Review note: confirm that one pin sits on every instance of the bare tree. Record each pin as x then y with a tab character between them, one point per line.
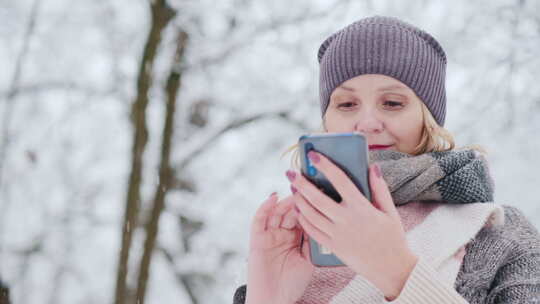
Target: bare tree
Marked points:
161	15
165	170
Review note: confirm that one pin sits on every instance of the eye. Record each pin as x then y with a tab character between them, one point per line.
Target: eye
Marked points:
393	104
346	105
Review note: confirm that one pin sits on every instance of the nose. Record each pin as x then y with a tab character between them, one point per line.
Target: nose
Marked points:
369	124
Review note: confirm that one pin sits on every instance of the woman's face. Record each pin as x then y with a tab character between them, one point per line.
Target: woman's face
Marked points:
382	108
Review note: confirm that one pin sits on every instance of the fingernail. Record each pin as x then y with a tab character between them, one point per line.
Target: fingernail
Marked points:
377	170
273	193
293	189
290	175
313	156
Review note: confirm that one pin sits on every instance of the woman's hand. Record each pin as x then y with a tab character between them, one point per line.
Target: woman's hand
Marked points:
279	268
367	237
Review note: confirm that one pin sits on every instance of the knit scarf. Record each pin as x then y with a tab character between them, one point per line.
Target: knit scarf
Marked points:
455	177
433	192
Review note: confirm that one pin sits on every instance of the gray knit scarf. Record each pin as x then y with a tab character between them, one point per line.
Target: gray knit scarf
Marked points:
456	177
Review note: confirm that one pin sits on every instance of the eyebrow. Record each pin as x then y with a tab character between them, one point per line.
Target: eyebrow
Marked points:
387	88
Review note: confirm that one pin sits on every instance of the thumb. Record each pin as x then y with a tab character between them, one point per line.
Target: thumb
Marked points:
381	197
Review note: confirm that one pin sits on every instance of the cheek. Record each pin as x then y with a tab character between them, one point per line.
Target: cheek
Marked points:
412	134
335	123
415	136
406	132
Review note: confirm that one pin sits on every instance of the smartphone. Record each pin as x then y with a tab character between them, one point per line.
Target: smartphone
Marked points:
349	151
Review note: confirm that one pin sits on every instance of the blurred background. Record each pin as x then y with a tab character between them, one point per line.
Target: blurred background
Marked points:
137	138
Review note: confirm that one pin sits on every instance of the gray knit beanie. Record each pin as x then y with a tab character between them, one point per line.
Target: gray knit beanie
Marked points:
388	46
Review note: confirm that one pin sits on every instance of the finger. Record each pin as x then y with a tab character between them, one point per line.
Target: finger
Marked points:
283	206
337	177
319	236
381	197
279	211
306	250
317	219
290	219
314	195
261	215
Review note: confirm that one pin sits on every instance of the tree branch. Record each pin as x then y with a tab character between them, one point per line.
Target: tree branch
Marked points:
182	279
196	148
260	30
10	106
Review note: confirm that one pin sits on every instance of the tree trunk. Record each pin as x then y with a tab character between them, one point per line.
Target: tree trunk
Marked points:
165	170
161	15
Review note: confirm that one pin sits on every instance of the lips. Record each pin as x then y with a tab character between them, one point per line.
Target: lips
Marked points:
376	147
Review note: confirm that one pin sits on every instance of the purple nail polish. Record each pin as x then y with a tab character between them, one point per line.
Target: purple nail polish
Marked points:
290	175
313	157
293	189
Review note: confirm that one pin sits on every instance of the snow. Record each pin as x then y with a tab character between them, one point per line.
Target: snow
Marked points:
65	175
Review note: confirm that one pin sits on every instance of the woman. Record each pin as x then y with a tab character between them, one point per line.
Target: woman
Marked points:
432	233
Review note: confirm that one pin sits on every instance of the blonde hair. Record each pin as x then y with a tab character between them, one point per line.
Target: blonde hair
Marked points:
434	138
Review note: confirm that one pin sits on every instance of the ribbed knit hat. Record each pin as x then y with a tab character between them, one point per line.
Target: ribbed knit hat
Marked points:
388	46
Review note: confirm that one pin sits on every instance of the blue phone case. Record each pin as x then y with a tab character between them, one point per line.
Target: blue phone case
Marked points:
349	151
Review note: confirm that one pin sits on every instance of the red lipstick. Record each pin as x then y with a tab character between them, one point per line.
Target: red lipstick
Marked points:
375	147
